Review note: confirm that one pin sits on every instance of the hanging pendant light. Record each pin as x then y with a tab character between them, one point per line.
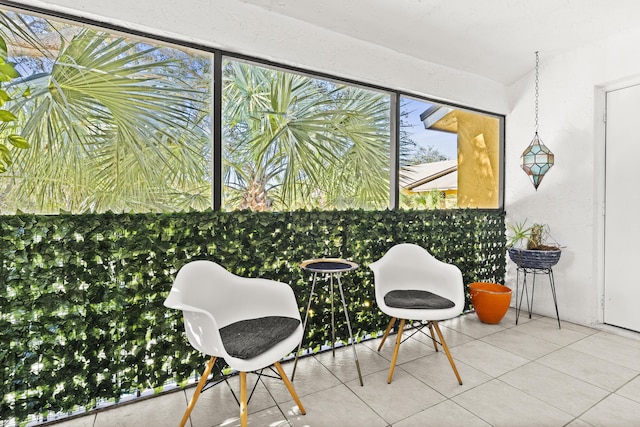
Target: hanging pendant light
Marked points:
537	159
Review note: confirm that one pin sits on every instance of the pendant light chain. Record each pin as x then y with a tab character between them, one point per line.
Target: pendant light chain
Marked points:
537	159
537	80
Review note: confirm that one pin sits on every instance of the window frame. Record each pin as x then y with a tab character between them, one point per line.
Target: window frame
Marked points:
219	55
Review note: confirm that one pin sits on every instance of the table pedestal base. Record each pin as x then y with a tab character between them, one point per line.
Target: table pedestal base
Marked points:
331	274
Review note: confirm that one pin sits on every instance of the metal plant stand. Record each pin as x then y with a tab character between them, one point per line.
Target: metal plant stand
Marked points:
526	271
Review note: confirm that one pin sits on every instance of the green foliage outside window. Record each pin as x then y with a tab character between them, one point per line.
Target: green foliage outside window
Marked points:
81	297
296	142
121	124
114	123
7	118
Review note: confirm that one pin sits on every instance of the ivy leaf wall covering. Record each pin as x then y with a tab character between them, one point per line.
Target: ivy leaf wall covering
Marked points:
81	296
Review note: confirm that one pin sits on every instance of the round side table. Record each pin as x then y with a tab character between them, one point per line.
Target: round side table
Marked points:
331	267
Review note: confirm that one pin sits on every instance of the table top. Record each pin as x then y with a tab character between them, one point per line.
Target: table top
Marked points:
328	265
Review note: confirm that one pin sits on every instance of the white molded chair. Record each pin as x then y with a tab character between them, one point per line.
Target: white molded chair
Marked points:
412	284
250	323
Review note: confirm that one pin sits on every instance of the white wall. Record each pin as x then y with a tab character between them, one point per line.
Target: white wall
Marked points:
570	198
241	28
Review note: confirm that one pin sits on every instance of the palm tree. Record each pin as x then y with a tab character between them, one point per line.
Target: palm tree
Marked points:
292	141
7	74
117	125
114	125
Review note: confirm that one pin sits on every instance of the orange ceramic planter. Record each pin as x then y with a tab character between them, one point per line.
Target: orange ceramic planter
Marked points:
490	301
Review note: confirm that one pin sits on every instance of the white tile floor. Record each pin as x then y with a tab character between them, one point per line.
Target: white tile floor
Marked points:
532	374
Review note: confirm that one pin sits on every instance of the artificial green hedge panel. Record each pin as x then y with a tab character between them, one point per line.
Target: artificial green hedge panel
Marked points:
81	301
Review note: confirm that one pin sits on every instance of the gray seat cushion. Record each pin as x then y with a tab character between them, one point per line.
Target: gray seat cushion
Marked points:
412	298
249	338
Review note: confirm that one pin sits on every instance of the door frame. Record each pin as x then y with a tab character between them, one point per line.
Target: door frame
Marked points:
600	175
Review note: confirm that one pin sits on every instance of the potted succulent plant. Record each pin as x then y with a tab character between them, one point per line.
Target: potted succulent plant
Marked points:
529	247
532	247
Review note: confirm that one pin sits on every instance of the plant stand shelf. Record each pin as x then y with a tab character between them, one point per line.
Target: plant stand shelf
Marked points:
524	272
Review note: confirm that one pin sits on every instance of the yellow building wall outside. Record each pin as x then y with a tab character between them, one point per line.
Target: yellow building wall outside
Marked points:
478	157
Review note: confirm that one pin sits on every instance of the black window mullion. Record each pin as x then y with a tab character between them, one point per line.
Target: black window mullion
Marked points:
394	151
217	132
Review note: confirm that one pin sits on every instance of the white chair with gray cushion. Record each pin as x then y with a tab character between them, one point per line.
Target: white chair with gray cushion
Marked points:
251	323
410	283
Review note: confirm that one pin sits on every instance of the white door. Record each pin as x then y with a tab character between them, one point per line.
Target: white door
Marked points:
622	204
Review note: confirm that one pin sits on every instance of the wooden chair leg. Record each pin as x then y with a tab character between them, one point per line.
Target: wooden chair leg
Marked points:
433	338
292	391
196	394
386	332
395	351
446	350
243	399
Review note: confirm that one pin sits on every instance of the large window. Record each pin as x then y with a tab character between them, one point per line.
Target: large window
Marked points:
113	123
131	124
292	141
450	157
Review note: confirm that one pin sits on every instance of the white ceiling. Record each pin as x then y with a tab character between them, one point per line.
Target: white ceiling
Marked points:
496	39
